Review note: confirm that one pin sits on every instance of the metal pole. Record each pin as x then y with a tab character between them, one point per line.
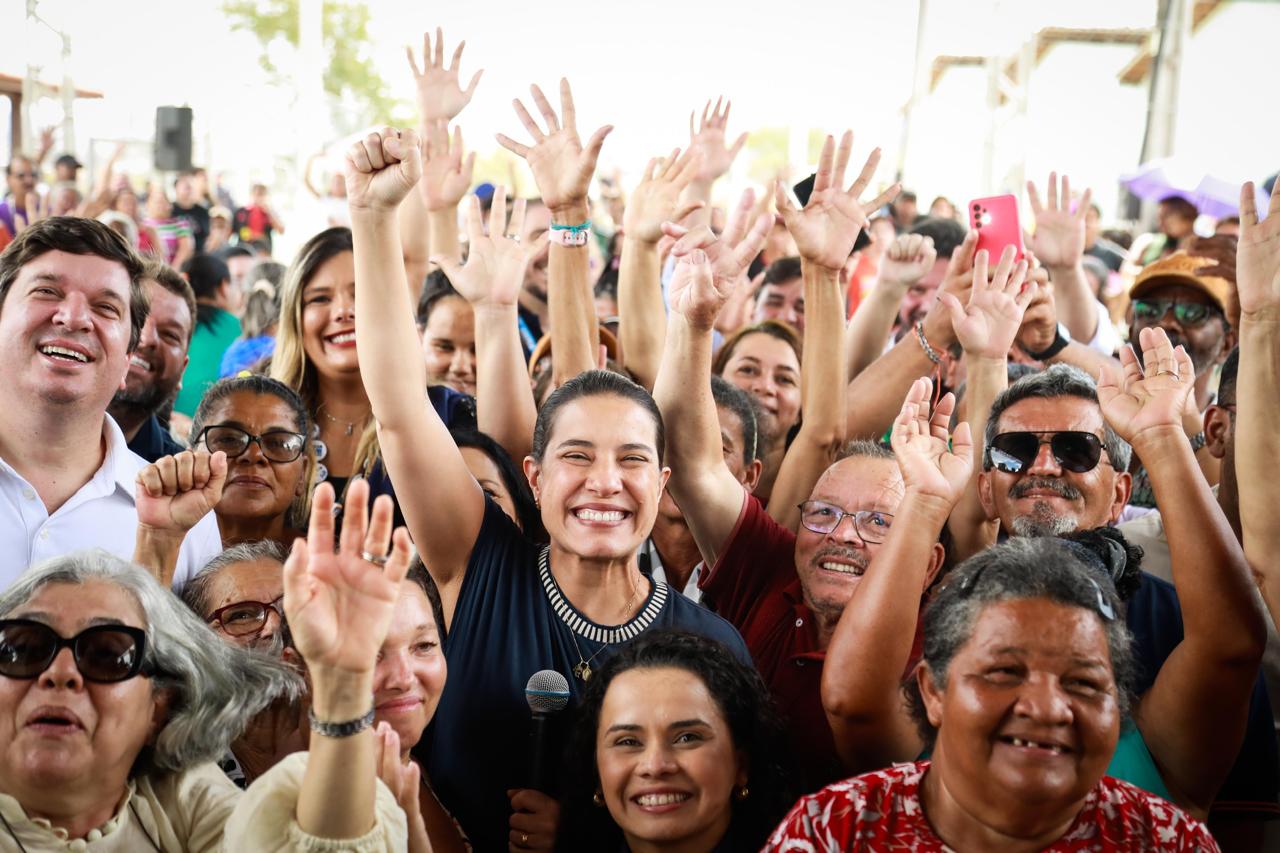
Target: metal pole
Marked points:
917	91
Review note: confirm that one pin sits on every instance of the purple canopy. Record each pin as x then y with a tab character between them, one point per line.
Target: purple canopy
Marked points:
1212	195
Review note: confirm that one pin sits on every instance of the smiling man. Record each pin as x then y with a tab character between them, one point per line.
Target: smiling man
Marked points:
156	364
72	310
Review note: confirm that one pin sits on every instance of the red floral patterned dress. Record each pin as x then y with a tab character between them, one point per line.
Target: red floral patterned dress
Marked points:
882	811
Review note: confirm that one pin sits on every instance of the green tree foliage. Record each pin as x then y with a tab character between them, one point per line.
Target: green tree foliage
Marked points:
359	94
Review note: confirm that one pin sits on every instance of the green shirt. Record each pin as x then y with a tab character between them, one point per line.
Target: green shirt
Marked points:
208	344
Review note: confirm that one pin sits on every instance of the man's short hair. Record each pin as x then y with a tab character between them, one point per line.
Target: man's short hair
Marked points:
1058	380
168	278
77	236
206	274
947	234
783	270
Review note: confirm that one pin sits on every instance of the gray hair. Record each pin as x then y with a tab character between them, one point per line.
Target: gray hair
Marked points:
865	448
217	688
262	298
1057	380
1020	568
195	593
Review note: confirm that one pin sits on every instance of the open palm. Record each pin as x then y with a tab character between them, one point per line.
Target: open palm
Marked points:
708	140
694	292
440	94
339	604
1150	395
1058	240
932	462
987	326
828	226
1258	254
731	253
657	198
446	174
496	262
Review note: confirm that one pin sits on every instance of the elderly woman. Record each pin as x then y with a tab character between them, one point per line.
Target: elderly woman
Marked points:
679	742
114	700
1021	694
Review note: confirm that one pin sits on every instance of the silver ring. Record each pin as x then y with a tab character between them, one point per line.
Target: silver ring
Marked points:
1172	373
377	560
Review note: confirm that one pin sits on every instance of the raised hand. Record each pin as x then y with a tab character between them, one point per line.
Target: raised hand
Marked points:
907	260
404	781
707	140
1040	322
496	262
933	464
562	167
987	326
732	252
173	493
37	209
446	174
694	291
382	169
1150	395
826	229
1258	254
957	280
440	95
657	198
339	604
1059	237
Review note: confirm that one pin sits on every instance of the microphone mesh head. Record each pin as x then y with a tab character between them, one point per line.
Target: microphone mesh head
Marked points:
547	692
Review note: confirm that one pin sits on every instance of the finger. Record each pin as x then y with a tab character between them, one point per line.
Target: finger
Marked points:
1185	366
686	208
1065	199
378	536
822	180
667	165
471	87
519	149
884	198
355	517
297	588
401	551
544	107
497	211
962	442
457	55
149	479
439	55
1027	295
1016	279
595	143
929	256
359	159
843	153
1273	206
199	468
168	468
782	201
527	120
962	258
1086	198
475	231
1033	197
754	241
517	218
452	269
692	130
979	273
1156	349
455	149
687	168
940	421
426	48
1249	205
673	230
954	308
649	170
864	177
567	109
1000	277
373	148
413	62
217	477
705	118
716	115
737	146
320	529
738	218
1129	365
1051	194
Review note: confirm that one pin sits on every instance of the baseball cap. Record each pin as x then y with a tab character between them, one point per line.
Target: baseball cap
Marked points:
1181	268
69	160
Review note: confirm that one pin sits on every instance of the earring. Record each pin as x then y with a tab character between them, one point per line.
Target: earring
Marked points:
742	793
598	798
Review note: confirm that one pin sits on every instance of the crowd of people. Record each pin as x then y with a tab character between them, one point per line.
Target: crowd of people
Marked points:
520	524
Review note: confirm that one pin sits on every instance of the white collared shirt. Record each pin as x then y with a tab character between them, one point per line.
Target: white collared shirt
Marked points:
101	514
656	571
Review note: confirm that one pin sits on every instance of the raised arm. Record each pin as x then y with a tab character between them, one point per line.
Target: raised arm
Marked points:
446	177
701	484
871	647
425	465
905	262
872	400
715	158
1058	242
1257	443
171	495
491	281
562	168
986	329
824	231
1193	717
339	606
641	311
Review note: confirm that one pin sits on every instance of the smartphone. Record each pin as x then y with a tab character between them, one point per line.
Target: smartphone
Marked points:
996	220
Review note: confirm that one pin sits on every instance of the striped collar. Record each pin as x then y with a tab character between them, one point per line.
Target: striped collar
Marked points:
589	630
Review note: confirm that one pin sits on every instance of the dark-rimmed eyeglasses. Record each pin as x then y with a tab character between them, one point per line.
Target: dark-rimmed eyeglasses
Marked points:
245	618
1188	314
104	654
1013	452
824	518
277	446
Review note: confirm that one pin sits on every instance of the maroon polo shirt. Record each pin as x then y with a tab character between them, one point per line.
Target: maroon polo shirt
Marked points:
754	586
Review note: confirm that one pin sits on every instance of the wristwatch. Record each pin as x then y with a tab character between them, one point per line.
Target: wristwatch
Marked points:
1060	342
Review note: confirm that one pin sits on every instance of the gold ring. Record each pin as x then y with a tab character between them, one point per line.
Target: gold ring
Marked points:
524	839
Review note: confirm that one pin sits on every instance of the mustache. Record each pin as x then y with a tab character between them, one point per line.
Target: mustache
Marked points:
1061	488
858	558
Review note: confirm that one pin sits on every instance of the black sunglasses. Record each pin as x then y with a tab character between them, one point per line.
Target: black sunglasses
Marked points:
1012	452
246	617
277	445
1188	314
103	653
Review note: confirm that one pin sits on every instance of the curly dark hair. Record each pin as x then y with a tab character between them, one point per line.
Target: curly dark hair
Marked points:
743	699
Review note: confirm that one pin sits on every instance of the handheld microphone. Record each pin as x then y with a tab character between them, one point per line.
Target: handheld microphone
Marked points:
547	694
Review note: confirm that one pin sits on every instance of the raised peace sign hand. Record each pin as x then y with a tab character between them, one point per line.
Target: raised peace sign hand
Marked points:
496	262
988	325
339	604
933	464
1258	255
826	229
1149	398
440	96
562	167
382	169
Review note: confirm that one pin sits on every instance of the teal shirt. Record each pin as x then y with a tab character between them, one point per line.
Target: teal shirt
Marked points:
208	344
